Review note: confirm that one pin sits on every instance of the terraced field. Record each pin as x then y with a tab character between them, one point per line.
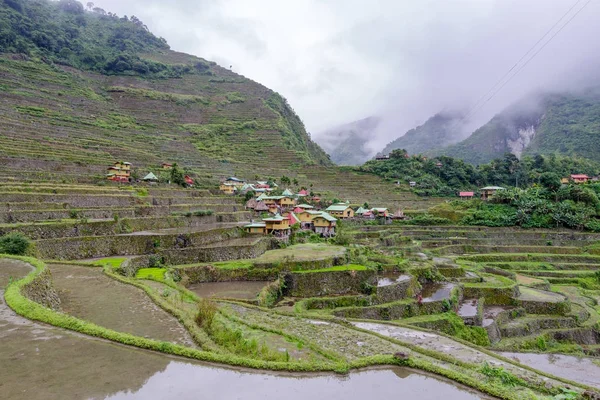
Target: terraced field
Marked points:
439	299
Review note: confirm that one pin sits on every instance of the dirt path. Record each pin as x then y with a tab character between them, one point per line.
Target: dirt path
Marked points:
88	294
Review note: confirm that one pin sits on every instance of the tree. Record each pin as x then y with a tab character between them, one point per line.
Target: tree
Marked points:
14	243
550	180
285	180
295	182
177	175
90	5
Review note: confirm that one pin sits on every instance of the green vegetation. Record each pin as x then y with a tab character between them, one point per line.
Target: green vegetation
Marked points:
14	243
113	262
64	33
565	123
157	274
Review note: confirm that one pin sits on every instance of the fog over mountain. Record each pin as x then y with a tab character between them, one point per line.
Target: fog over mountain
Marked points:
403	61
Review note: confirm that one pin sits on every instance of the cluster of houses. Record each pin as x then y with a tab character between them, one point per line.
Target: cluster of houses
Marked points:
121	172
285	212
579	178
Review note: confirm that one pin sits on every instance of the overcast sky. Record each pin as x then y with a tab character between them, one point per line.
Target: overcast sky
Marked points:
341	60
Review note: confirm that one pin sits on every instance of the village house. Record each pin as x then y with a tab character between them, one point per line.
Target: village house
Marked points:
324	224
188	180
167	166
489	191
227	188
277	225
150	178
256	227
302	193
340	210
580	178
380	212
466	195
382	157
359	212
564	181
119	172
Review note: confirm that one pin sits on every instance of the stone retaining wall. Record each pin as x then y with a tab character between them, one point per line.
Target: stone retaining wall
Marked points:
313	284
123	245
41	290
396	291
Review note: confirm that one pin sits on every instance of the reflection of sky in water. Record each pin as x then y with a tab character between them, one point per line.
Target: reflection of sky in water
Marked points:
580	369
184	381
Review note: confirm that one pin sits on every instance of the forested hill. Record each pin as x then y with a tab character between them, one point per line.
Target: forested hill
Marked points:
437	132
558	123
85	87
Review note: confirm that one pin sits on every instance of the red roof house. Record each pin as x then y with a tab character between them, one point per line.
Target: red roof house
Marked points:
466	195
303	192
580	178
188	180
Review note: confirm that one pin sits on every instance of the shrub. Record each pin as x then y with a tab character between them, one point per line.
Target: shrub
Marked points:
207	309
14	243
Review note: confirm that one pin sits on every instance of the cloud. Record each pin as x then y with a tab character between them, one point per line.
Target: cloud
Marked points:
342	60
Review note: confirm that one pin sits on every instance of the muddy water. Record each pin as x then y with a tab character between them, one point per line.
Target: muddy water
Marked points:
390	278
229	290
436	291
47	363
187	382
578	369
87	293
468	308
12	269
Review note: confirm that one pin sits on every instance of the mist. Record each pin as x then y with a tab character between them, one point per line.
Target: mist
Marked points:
339	61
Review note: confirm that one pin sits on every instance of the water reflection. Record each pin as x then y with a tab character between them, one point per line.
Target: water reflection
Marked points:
186	381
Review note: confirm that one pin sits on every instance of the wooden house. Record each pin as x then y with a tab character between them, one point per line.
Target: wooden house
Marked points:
287	201
564	181
399	215
256	227
235	181
251	204
341	211
305	206
380	212
227	188
261	207
277	225
580	178
489	192
324	224
119	171
150	178
167	166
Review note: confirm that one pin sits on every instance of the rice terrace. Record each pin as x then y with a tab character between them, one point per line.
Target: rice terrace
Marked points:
169	229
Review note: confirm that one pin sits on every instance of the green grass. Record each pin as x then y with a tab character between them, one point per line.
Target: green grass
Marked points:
113	262
347	267
157	274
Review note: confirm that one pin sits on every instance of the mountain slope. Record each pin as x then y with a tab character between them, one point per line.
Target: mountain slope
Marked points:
136	101
565	123
437	132
346	143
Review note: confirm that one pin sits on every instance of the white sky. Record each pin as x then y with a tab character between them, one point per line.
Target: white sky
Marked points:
341	60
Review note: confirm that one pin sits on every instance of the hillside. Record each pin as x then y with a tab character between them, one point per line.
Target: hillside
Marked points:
135	99
565	123
82	89
346	144
437	132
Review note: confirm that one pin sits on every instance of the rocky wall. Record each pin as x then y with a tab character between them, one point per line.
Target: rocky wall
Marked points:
122	245
42	291
314	284
391	311
497	296
397	291
209	273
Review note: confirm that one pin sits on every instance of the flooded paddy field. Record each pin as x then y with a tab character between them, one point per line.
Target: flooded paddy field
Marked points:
579	369
87	293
